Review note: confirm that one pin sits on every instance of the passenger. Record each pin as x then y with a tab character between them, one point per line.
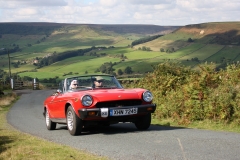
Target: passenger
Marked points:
98	82
74	85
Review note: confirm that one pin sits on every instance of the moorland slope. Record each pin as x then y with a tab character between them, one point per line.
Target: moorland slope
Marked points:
190	45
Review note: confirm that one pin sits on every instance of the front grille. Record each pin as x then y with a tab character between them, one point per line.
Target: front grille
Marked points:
118	103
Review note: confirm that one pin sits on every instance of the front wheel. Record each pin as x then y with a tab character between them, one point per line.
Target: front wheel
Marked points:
50	125
74	123
144	122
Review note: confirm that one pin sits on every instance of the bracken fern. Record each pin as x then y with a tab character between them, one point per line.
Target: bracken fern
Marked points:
186	95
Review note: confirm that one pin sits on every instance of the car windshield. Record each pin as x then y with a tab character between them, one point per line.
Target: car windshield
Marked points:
91	82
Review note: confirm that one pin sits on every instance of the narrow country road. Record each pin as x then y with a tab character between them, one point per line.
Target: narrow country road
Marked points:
124	141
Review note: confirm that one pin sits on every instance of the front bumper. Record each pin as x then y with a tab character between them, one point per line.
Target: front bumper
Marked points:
103	113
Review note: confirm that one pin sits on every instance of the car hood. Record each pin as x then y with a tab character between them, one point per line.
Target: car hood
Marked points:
116	94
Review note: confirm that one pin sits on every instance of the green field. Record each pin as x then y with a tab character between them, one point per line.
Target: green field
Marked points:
65	63
204	48
76	65
136	54
203	53
229	52
139	61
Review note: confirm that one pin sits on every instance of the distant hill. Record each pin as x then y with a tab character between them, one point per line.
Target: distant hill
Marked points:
34	42
137	29
36	28
48	38
224	33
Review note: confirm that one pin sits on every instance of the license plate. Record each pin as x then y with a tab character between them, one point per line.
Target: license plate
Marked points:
123	112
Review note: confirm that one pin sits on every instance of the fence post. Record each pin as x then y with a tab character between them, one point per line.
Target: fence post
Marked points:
35	84
12	83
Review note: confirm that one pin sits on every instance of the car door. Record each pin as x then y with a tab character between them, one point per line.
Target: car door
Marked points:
57	106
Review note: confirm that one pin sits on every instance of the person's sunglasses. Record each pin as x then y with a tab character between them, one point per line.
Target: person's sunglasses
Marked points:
75	84
100	81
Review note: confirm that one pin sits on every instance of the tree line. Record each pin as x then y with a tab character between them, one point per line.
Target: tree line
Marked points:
9	50
107	68
46	61
145	39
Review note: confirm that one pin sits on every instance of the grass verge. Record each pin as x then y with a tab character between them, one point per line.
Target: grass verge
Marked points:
205	124
17	145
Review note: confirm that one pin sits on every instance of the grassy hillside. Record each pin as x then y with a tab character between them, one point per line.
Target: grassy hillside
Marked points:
190	45
211	42
40	39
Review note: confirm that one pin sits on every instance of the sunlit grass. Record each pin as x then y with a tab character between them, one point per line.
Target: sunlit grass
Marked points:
7	100
227	53
76	65
203	52
138	54
40	75
205	124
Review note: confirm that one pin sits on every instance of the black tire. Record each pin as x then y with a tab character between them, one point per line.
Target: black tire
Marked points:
143	123
74	123
50	125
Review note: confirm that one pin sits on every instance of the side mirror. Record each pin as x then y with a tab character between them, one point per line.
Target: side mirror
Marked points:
59	91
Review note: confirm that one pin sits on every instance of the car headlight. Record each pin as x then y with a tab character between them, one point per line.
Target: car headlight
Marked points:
87	100
147	96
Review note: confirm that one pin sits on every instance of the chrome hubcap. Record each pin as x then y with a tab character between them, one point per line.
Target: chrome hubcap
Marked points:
47	118
70	120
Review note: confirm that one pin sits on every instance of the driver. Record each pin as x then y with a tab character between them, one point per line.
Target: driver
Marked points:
98	82
74	85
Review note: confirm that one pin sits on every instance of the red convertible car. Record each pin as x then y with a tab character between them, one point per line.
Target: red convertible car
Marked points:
97	100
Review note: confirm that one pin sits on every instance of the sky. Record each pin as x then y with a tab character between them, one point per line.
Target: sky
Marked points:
154	12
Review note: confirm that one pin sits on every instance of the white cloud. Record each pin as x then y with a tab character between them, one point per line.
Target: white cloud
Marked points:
49	3
159	12
108	3
27	11
147	2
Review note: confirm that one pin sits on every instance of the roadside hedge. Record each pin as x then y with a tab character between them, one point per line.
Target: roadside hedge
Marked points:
185	95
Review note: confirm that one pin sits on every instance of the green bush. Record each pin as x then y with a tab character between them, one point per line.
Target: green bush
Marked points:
186	95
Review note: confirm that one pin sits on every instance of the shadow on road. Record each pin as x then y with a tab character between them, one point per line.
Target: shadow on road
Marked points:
120	128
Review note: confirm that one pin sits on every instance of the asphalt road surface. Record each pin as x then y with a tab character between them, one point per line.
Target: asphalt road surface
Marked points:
124	141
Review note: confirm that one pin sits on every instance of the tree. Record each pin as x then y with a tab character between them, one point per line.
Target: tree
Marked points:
161	50
128	70
195	59
120	72
15	65
144	48
147	49
103	68
190	40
